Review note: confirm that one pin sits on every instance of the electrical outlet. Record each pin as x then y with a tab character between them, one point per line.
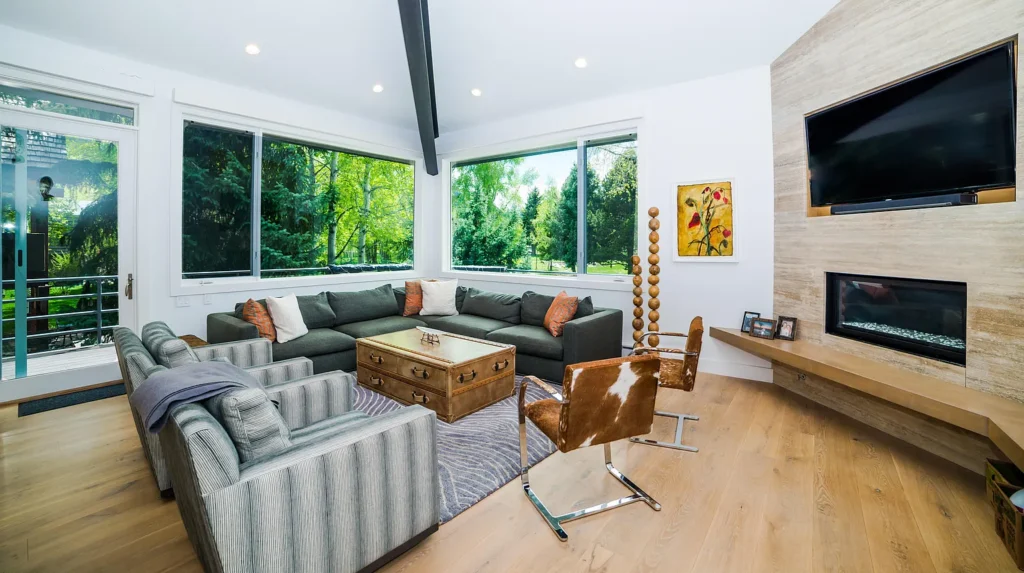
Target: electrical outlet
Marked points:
183	301
207	299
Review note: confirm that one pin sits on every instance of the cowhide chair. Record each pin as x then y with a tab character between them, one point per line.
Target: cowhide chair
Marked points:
605	401
676	374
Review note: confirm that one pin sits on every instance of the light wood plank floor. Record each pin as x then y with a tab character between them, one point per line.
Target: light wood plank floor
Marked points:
779	485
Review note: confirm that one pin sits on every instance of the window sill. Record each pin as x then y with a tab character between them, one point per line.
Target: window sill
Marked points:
249	284
619	283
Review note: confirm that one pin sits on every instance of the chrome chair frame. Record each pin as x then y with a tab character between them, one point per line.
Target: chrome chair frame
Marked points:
677	443
555	521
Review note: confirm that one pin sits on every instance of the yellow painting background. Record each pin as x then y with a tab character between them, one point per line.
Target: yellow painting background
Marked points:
721	224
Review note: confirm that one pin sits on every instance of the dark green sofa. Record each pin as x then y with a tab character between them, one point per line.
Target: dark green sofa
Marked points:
336	319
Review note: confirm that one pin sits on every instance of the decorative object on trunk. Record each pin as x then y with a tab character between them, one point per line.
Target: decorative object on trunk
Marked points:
786	329
762	328
704	221
430	336
748	317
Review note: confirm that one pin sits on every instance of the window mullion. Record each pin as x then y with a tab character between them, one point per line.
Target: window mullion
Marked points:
257	171
581	207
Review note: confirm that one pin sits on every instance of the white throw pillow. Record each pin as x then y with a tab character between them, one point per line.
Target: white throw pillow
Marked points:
439	298
284	311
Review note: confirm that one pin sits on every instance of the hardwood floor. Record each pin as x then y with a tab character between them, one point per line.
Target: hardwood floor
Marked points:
780	484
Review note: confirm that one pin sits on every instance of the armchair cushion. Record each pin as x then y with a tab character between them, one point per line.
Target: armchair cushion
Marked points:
531	340
167	349
243	353
251	421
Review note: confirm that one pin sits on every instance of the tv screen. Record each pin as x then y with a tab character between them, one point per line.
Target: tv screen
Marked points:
949	130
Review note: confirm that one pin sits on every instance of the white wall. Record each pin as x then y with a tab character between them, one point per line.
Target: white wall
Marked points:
156	91
708	129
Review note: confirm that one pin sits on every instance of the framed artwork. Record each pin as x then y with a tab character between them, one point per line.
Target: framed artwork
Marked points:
748	317
705	226
762	328
786	329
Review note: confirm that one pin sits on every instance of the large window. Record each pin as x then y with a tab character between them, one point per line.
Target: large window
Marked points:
294	209
521	213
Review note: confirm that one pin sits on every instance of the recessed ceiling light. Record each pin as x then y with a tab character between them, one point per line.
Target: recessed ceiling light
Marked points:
252	49
377	88
476	92
581	62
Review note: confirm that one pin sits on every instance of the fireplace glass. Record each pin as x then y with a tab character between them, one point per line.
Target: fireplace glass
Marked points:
923	317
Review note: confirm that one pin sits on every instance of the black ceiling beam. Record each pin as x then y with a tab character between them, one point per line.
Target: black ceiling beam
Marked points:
416	31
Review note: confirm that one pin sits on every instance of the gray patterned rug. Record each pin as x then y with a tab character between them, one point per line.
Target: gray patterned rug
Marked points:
477	454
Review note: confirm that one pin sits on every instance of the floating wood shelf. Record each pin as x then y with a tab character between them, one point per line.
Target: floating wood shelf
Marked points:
998	419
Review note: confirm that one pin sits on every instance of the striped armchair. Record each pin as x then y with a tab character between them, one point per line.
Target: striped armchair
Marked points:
346	494
303	398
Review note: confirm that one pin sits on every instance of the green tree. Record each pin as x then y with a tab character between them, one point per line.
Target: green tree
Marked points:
529	216
487	228
611	214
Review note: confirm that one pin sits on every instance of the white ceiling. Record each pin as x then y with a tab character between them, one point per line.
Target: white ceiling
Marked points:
520	53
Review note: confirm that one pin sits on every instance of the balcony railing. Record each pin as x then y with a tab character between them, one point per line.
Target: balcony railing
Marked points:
97	312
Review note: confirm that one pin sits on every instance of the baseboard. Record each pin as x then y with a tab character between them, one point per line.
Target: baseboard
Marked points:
736	370
45	385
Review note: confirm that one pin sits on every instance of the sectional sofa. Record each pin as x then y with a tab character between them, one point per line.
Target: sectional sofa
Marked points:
336	319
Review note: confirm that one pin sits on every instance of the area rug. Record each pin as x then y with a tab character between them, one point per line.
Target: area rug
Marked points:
479	453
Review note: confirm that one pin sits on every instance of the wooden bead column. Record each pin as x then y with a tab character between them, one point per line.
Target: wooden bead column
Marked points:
652	278
638	302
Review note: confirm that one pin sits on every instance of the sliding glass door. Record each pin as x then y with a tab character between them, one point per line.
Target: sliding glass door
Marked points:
67	191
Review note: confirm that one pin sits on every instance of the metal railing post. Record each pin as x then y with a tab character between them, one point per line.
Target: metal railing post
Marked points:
99	311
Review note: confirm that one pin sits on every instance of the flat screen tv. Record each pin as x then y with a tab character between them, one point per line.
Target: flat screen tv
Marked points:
949	130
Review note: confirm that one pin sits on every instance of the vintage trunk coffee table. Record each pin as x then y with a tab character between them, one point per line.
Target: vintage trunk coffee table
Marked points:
454	377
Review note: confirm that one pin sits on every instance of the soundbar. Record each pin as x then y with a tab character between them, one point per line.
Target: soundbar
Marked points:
951	200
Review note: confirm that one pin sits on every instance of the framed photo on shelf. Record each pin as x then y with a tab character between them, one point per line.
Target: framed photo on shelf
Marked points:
762	328
748	317
786	329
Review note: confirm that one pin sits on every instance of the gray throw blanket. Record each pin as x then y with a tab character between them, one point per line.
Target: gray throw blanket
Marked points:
186	384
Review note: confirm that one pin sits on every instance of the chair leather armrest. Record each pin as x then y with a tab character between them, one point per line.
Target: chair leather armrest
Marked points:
594	337
311	399
242	353
226	327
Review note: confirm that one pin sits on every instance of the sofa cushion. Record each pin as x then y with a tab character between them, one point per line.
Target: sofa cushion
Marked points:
165	348
468	325
377	326
585	308
499	306
363	305
529	339
318	341
251	420
316	311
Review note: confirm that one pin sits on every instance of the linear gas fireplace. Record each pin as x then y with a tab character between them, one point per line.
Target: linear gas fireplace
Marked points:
923	317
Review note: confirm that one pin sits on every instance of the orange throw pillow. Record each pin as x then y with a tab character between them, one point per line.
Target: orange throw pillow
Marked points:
560	312
413	298
255	313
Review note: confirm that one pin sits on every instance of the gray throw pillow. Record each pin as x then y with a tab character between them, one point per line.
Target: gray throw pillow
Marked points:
499	306
460	297
363	305
316	311
535	306
584	308
251	420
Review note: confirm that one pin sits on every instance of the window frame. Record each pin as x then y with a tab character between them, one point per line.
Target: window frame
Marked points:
181	286
583	137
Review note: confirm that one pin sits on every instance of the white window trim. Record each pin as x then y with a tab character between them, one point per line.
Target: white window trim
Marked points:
186	287
580	135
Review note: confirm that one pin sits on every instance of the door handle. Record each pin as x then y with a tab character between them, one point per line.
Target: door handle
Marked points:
128	290
21	254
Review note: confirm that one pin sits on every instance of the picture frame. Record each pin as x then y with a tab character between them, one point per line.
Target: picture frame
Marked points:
762	328
678	225
786	328
748	317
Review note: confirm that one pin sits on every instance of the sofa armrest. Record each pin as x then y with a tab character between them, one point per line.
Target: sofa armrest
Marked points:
243	353
594	337
308	400
282	372
226	327
364	491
